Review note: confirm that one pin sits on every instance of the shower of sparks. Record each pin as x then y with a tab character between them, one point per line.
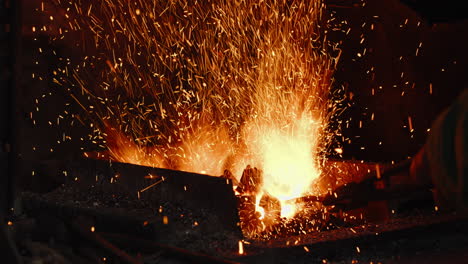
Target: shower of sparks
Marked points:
205	86
151	186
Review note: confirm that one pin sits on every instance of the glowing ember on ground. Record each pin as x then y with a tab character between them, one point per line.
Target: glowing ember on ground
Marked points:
241	248
208	87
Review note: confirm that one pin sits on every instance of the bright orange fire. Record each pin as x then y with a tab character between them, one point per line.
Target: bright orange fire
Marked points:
205	151
125	150
288	166
287	127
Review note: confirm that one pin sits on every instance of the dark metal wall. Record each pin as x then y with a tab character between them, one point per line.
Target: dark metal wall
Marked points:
10	32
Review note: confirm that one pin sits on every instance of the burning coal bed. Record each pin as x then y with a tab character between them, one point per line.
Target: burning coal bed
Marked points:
262	216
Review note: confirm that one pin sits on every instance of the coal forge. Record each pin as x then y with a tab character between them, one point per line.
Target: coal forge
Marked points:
276	131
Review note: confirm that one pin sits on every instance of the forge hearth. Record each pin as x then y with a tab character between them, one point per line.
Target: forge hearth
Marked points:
200	213
121	216
114	183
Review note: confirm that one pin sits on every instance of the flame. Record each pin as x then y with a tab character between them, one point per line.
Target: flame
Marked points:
288	210
122	149
205	151
258	208
288	162
288	124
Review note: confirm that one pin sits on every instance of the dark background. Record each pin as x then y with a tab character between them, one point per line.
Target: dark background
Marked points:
385	83
391	82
